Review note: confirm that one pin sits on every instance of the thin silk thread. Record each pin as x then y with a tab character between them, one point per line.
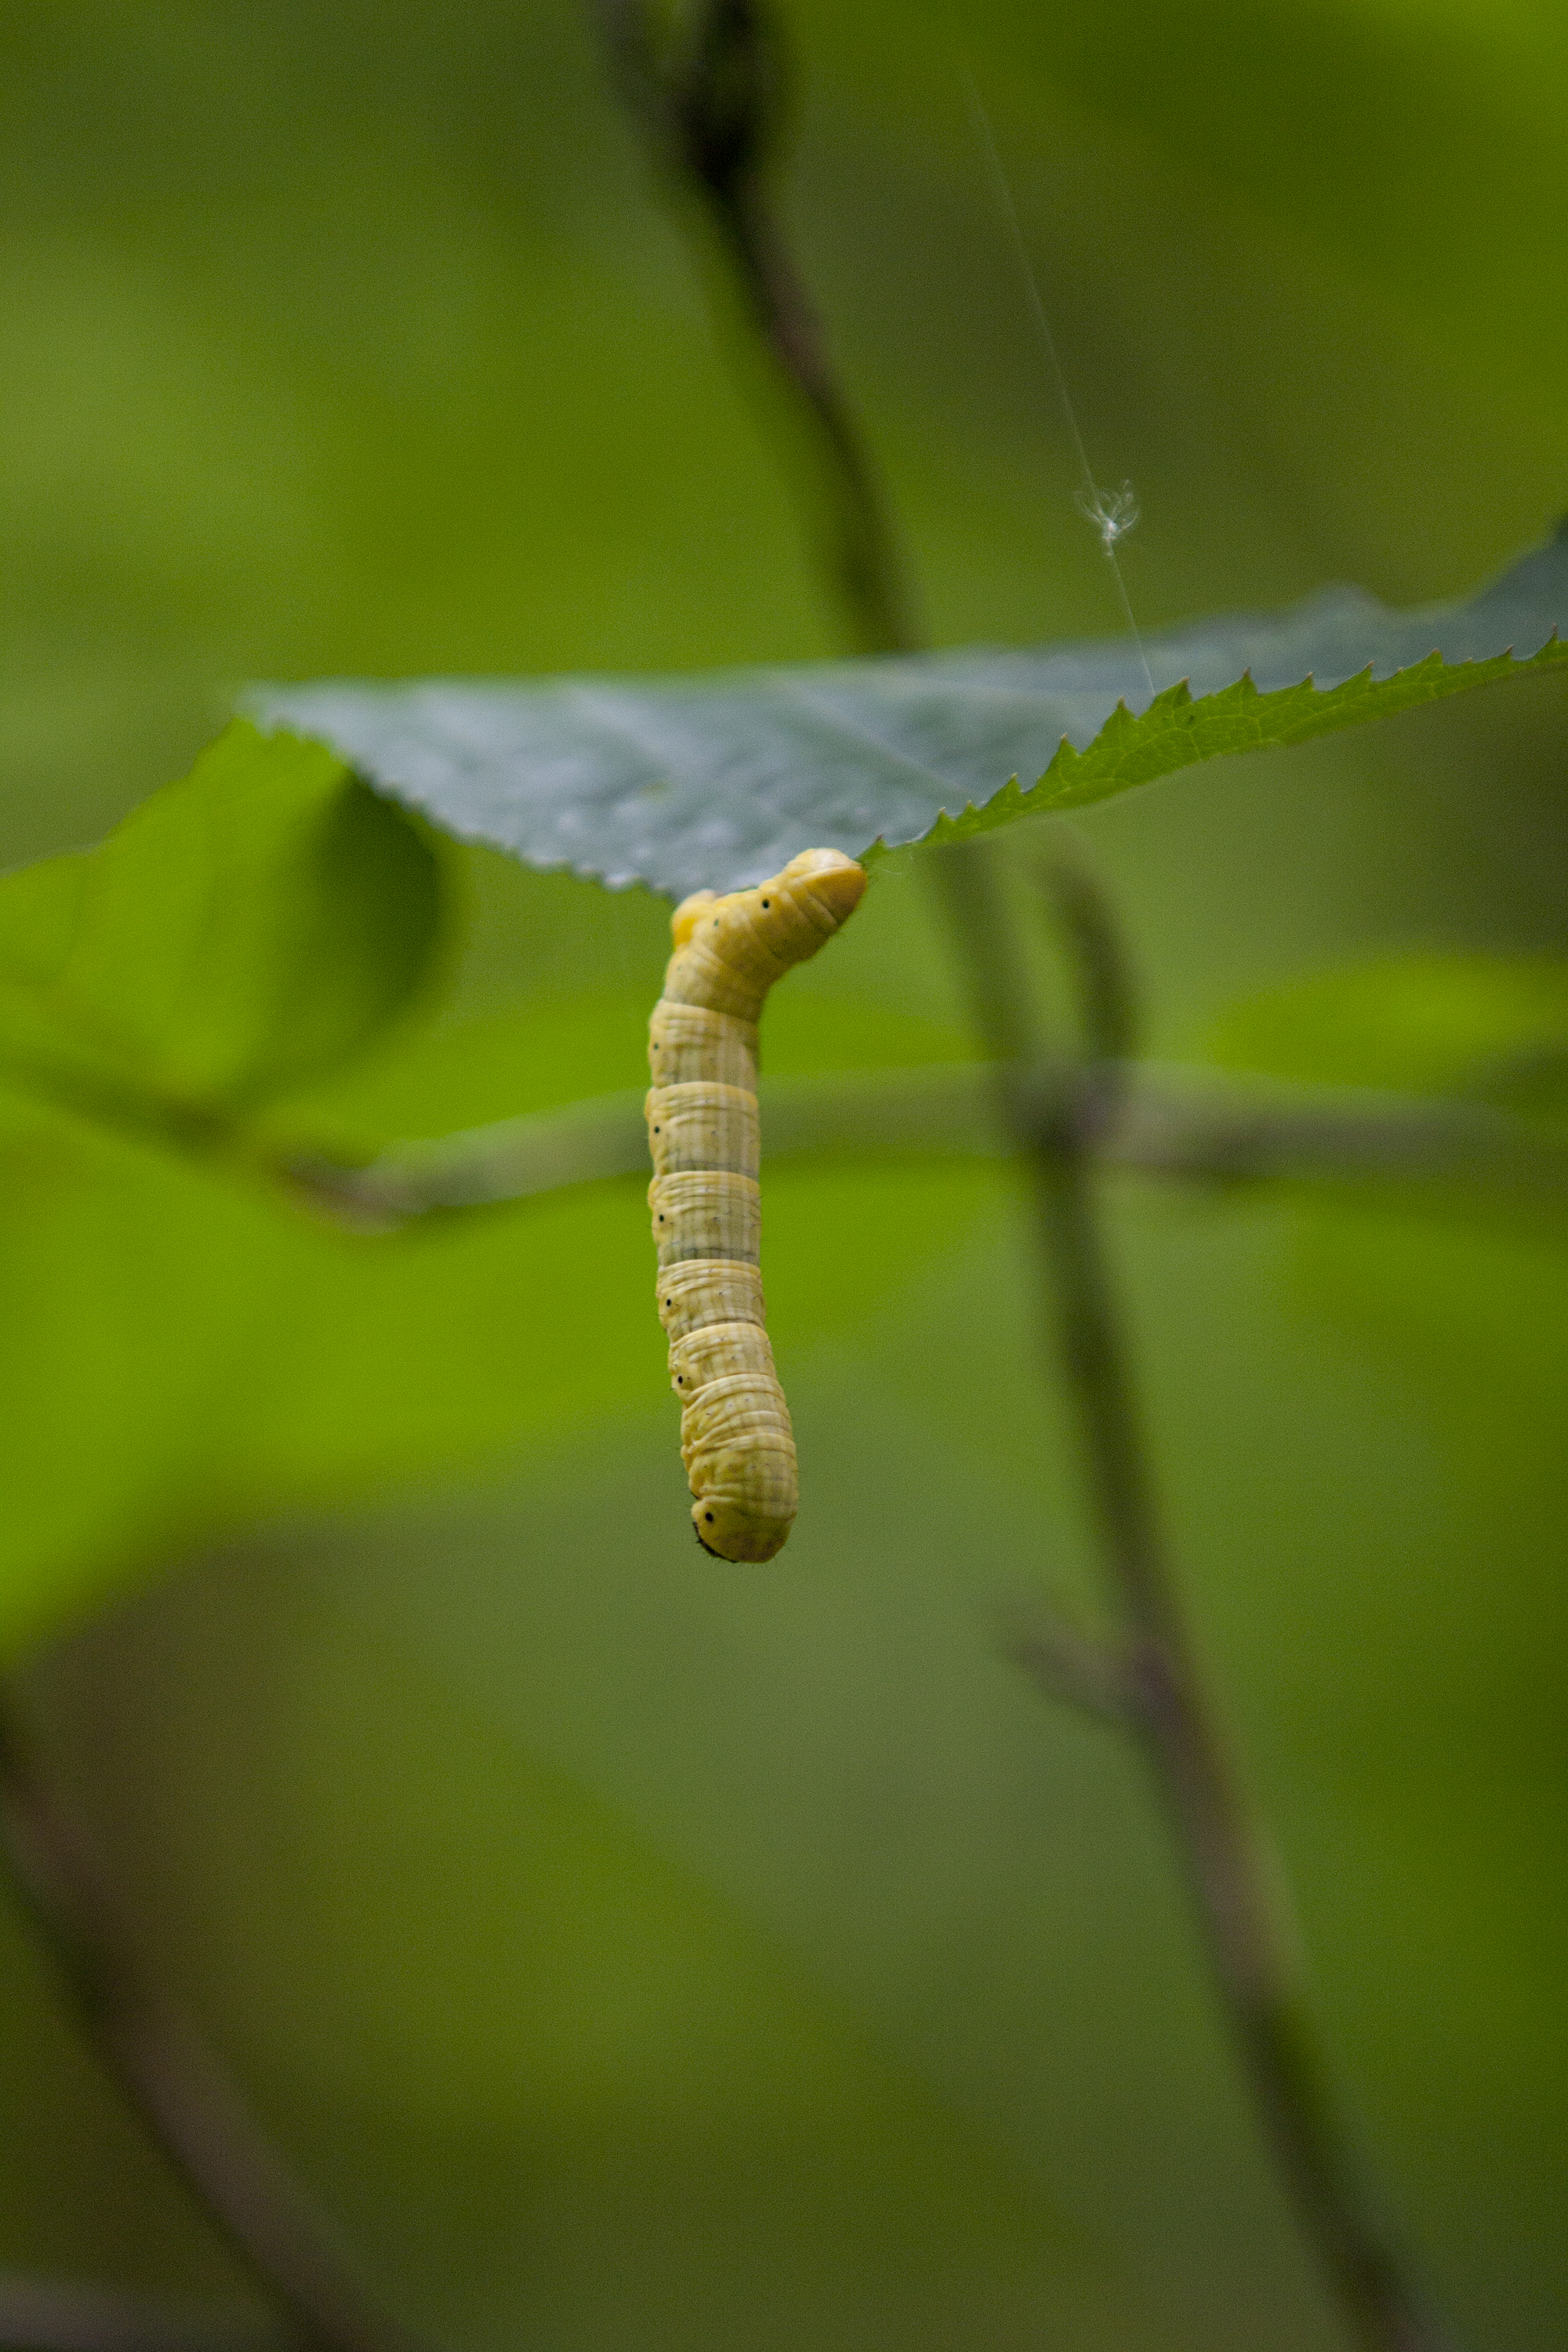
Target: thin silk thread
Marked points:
1113	513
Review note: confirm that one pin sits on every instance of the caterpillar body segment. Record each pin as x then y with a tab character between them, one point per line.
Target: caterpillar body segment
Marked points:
706	1212
702	1290
735	1435
698	1125
688	1043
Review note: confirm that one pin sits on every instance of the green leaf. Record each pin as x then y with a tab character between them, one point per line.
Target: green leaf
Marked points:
1429	1024
717	780
242	933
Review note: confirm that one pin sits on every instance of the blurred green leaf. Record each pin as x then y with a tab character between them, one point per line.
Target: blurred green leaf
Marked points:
351	342
182	1352
1473	1300
718	782
1419	141
601	1994
243	932
1427	1023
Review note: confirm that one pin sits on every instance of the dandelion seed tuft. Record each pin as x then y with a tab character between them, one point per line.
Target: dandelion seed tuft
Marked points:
1113	513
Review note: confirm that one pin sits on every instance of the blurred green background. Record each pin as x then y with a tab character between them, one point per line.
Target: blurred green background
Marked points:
633	1953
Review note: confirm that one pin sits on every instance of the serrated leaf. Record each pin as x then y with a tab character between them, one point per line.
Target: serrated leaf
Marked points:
718	780
244	931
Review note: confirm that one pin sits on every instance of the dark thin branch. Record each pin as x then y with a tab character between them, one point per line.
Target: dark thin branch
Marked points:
1089	1671
1108	1002
1236	1887
1001	989
712	104
40	2314
1228	1867
174	2081
1205	1127
1058	1116
1527	1075
1201	1128
1222	1128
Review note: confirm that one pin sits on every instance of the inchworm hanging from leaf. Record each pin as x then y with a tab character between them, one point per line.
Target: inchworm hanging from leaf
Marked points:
735	1435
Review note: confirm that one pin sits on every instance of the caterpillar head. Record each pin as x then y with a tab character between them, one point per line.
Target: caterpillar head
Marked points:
729	1531
836	883
776	923
798	911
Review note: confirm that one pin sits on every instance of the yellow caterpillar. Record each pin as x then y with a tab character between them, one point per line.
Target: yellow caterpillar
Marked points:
735	1437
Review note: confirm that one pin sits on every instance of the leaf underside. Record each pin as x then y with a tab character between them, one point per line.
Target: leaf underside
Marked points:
718	780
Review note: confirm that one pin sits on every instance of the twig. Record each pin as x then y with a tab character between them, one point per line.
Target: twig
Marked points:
1107	1009
1059	1118
40	2314
174	2079
1194	1126
1202	1127
1236	1890
1086	1670
712	107
1215	1128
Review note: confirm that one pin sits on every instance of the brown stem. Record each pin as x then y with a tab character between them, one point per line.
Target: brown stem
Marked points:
1228	1862
859	552
711	108
1194	1126
1083	1669
65	2315
173	2080
1234	1887
714	122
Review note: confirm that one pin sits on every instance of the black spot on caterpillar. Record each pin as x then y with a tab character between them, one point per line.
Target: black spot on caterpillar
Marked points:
735	1435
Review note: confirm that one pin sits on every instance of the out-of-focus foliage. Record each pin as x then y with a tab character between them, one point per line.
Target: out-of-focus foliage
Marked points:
716	782
1493	1302
1496	1025
1329	116
244	933
353	342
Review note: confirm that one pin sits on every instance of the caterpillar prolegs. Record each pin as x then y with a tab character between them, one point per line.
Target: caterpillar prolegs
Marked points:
735	1435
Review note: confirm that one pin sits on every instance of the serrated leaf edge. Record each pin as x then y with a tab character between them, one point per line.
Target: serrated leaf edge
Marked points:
1012	801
